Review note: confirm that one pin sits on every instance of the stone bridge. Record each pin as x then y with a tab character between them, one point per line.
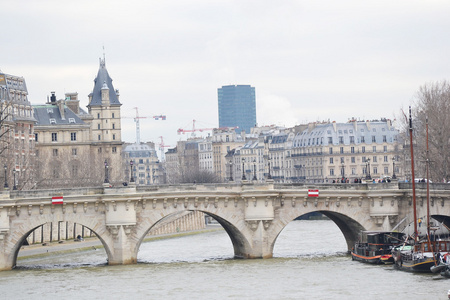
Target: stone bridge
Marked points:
253	215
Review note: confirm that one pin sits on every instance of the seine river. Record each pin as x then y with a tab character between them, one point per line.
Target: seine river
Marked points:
310	263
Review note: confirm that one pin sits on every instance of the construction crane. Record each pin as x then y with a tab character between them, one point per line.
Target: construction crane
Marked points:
161	147
193	130
136	119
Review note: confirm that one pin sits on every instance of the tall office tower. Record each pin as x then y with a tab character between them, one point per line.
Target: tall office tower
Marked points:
237	107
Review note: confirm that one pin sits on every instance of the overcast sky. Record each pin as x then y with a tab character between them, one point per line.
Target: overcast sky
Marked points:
308	60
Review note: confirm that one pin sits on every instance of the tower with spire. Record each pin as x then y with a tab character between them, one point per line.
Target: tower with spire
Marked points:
104	107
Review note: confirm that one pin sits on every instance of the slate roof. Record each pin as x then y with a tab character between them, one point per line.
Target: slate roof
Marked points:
45	113
362	134
103	77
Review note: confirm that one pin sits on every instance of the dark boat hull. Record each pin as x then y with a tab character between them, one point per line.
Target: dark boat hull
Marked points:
415	266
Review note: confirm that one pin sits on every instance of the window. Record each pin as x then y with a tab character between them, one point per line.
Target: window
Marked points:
353	171
55	152
374	159
74	151
74	171
386	170
363	150
363	159
330	140
36	137
98	126
384	139
341	150
331	160
385	148
331	172
114	149
54	137
73	136
98	116
353	159
373	139
363	140
341	140
352	149
113	126
331	150
52	121
352	139
385	158
99	150
342	160
49	110
99	137
374	149
114	136
71	120
112	115
375	170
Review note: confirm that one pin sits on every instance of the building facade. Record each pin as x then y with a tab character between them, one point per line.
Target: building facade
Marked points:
237	107
16	133
79	148
141	164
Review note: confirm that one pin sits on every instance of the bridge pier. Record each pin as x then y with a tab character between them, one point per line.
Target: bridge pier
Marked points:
122	249
261	245
121	224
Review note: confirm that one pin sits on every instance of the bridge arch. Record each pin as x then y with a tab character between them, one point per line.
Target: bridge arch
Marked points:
349	226
239	240
15	239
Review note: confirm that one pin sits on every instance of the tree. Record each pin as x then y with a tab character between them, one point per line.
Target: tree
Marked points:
433	102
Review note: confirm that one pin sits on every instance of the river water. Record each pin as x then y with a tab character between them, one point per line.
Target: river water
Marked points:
310	262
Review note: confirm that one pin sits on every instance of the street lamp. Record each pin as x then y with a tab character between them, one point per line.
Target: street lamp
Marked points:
131	171
106	172
6	181
243	171
254	170
268	163
14	186
231	170
343	171
393	168
368	168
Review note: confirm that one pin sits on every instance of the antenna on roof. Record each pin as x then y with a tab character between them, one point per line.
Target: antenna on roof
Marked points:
103	52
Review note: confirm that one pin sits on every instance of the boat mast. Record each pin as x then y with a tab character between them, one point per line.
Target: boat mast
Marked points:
428	184
431	246
416	234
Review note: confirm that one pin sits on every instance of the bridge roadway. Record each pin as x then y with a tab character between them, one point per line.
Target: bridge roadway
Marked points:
253	215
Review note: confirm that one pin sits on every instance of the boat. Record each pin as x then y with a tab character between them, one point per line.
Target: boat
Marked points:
375	247
415	254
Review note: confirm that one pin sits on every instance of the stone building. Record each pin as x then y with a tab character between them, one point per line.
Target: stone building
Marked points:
16	133
141	164
79	148
354	150
63	150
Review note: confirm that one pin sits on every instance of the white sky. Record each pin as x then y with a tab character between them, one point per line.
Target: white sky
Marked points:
308	60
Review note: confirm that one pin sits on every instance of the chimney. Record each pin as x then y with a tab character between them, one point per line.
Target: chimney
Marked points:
72	102
53	98
61	108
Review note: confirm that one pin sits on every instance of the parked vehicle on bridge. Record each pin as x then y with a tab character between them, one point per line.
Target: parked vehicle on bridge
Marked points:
375	247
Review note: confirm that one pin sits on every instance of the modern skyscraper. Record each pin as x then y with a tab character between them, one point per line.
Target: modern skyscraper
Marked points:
237	107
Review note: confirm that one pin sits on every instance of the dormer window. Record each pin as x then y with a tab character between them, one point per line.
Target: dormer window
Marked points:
52	121
49	110
71	120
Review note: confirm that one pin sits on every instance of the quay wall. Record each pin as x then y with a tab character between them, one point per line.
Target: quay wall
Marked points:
52	231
